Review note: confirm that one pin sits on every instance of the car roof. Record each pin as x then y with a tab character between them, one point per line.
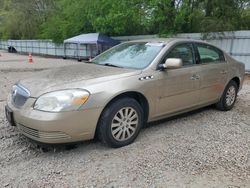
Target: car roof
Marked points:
168	40
172	40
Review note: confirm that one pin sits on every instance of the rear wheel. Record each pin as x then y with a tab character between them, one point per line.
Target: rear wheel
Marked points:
120	123
229	97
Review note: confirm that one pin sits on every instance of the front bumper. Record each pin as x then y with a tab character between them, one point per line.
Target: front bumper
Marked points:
63	127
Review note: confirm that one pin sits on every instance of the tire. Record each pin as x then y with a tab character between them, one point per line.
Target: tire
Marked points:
121	118
229	96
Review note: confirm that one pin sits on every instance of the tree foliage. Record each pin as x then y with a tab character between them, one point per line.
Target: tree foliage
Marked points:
60	19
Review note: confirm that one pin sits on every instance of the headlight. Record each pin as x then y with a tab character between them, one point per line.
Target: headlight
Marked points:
64	100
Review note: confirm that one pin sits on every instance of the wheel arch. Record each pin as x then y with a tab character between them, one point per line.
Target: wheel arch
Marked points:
139	97
237	80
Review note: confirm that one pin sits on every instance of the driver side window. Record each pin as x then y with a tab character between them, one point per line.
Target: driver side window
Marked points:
184	52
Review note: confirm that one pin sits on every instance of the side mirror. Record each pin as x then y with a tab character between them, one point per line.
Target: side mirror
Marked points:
172	63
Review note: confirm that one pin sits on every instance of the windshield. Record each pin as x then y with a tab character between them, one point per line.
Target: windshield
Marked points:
130	55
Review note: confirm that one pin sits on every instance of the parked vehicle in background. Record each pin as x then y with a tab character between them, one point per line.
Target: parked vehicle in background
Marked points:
122	89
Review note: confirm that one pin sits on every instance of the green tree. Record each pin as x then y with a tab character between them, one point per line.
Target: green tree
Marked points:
60	19
245	19
23	18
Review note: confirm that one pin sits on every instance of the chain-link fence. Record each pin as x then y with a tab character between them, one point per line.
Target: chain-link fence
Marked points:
39	47
48	48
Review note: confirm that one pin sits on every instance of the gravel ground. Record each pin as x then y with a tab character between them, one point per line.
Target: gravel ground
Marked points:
205	148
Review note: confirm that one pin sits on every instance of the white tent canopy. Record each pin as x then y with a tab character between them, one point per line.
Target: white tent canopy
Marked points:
92	38
94	43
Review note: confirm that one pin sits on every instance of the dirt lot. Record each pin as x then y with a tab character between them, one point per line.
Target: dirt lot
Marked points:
206	148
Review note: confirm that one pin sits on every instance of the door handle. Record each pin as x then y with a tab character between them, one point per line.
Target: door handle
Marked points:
192	78
223	72
195	77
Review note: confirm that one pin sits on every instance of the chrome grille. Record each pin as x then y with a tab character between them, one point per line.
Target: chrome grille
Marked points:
55	135
19	95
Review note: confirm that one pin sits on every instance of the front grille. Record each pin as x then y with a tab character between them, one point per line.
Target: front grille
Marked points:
19	95
55	135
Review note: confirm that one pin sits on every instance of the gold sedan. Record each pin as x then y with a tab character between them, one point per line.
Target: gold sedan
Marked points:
122	89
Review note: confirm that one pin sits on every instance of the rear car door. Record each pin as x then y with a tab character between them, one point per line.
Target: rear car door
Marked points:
213	72
179	88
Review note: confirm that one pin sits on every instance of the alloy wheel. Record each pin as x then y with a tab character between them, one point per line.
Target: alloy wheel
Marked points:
230	96
124	124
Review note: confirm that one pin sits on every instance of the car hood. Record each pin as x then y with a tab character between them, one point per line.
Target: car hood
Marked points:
84	74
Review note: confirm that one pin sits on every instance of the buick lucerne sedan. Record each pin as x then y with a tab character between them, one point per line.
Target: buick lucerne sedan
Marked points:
115	94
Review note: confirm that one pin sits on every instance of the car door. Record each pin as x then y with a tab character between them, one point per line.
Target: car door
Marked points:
179	88
213	72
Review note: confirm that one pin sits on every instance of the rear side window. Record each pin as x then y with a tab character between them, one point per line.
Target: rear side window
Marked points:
209	54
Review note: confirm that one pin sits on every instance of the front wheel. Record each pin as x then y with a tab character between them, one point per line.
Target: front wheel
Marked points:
120	123
229	97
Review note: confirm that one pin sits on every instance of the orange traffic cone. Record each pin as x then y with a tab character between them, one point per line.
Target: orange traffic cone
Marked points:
30	58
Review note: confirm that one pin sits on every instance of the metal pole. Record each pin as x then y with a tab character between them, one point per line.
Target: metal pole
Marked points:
64	49
97	49
232	44
77	48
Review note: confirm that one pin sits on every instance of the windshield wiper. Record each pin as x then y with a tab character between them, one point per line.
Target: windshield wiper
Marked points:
112	65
